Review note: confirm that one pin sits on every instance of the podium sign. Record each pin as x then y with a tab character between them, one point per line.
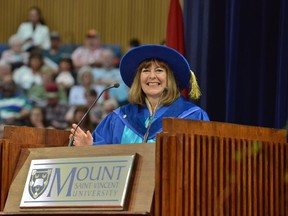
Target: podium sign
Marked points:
100	182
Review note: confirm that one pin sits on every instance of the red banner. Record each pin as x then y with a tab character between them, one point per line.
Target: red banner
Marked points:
175	27
175	31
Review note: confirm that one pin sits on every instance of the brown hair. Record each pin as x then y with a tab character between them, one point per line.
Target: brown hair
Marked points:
137	96
41	19
87	123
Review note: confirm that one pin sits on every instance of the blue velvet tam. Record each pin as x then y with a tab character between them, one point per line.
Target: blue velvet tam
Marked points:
177	63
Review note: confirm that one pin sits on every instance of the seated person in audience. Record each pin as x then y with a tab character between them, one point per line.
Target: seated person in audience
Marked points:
37	118
54	109
95	114
28	75
14	55
156	76
108	106
108	74
14	107
89	54
85	82
5	71
78	113
56	50
37	92
34	32
133	42
97	110
65	73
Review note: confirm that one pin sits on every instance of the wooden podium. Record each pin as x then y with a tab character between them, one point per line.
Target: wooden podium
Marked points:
201	168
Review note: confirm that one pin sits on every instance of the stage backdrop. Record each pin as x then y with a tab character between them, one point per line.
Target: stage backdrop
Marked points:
239	50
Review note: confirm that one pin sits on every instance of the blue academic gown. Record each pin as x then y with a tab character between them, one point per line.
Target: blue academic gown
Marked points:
132	118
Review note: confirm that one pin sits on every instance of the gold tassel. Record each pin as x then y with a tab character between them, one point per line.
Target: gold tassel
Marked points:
195	92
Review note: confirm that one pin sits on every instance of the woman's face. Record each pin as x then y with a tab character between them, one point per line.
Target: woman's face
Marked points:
64	66
87	78
36	63
153	80
16	46
78	115
33	16
36	115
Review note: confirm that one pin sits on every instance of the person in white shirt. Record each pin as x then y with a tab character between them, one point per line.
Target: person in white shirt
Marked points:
85	81
28	75
65	71
34	32
15	56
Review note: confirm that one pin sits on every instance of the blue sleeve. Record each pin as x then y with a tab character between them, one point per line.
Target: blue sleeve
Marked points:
109	131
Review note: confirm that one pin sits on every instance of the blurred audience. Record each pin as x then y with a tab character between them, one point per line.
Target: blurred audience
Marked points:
56	50
28	75
65	74
54	109
14	107
37	92
78	113
42	85
37	118
108	74
34	32
5	71
95	113
133	42
108	106
85	81
89	54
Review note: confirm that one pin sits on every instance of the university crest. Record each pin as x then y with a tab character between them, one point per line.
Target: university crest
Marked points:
38	182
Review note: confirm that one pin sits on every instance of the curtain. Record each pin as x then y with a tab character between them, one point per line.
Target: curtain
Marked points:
239	49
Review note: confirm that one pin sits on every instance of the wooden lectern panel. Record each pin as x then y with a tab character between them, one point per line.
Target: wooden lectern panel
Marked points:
211	168
36	136
22	144
16	138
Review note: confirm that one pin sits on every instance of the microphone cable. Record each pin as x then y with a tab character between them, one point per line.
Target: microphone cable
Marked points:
145	138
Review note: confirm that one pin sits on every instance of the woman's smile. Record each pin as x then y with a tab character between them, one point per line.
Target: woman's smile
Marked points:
153	80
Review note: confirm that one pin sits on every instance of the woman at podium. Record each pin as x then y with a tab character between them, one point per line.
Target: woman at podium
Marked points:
156	76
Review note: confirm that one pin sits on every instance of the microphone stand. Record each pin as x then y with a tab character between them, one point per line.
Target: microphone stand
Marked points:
71	140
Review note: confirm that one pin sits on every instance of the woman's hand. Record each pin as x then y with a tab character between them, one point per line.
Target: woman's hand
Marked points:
81	138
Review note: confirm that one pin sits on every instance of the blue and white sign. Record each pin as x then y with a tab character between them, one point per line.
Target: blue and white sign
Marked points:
100	182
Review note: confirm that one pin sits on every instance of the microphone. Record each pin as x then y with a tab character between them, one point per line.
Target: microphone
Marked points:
71	140
145	139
